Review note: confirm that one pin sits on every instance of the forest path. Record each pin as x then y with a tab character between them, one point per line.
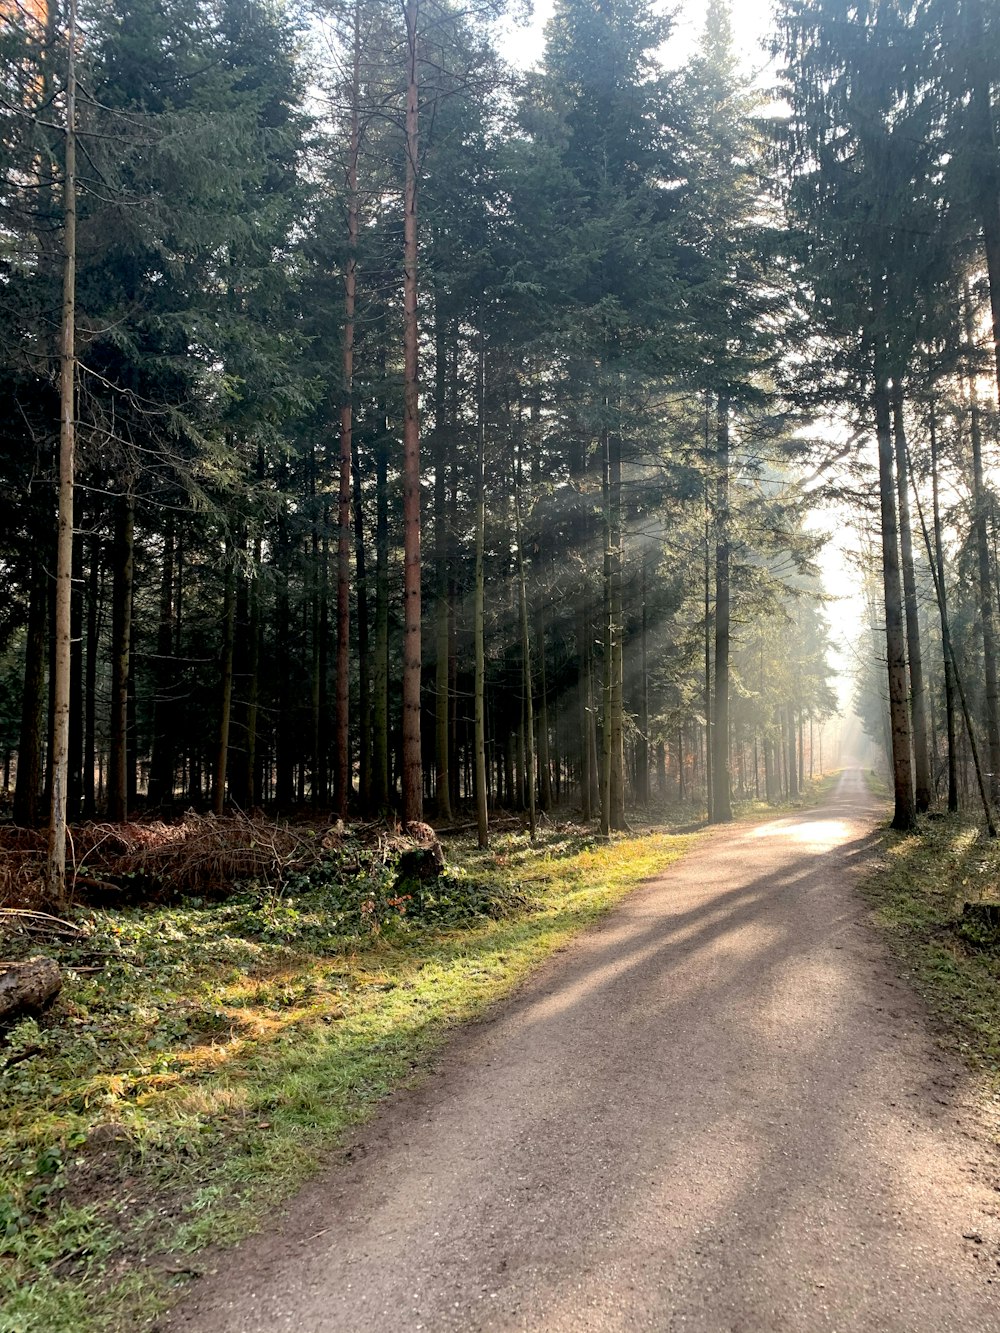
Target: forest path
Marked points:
720	1110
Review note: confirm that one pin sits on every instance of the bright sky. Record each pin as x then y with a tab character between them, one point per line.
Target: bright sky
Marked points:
752	26
751	21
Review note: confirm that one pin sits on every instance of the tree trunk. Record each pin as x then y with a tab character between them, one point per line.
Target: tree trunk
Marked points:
364	648
918	697
342	679
617	640
904	815
529	719
226	687
479	617
412	757
721	793
607	743
90	680
707	638
284	786
544	757
949	673
642	741
76	710
161	775
583	710
121	641
380	675
442	609
61	663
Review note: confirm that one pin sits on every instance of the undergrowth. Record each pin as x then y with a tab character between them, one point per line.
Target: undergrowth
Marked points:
202	1059
917	893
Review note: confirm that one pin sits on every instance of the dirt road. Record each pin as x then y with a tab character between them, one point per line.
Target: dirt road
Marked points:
721	1111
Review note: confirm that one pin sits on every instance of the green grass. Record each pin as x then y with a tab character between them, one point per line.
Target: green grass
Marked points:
916	893
219	1052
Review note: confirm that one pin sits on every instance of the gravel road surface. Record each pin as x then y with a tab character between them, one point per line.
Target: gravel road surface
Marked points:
722	1110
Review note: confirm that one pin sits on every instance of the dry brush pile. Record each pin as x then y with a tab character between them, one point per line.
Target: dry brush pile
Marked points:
200	856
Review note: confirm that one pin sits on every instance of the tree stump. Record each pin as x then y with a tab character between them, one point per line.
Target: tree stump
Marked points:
986	915
28	988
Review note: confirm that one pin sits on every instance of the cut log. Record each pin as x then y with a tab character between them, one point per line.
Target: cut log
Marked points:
28	988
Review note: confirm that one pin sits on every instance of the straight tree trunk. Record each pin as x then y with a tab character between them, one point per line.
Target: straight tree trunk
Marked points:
284	784
75	787
161	775
617	640
642	741
707	690
918	696
412	758
904	815
529	719
607	742
61	663
121	641
544	756
586	723
479	613
380	675
721	793
90	680
442	610
342	677
364	647
949	671
226	688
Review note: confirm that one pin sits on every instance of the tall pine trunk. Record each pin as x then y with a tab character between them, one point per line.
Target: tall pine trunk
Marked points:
529	720
721	792
61	658
918	696
123	561
412	761
161	773
225	685
904	814
442	609
364	646
479	612
341	738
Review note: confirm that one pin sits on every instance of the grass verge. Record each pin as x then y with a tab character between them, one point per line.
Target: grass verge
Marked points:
202	1059
916	893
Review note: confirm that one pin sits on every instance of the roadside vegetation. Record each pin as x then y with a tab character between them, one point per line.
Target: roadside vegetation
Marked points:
931	893
204	1056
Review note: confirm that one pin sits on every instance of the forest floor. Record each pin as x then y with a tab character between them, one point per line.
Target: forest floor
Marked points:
205	1057
720	1109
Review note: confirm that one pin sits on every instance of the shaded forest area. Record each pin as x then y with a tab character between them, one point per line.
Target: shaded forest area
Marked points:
426	436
